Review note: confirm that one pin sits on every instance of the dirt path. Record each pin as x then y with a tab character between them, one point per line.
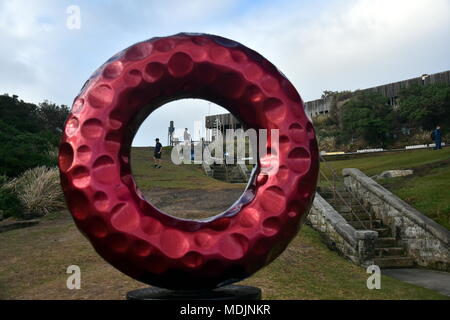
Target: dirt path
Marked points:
194	203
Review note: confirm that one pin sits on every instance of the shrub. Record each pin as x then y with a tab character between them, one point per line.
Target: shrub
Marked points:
27	133
327	144
423	137
367	115
425	106
446	138
20	151
39	191
3	180
53	154
320	120
10	204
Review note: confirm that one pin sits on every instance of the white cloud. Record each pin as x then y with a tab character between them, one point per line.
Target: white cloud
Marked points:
174	11
320	45
26	49
350	45
185	113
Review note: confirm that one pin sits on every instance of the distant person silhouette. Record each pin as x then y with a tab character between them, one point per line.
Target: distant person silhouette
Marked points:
187	137
437	137
157	154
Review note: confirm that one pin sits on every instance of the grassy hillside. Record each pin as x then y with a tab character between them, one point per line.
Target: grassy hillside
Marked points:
428	189
185	176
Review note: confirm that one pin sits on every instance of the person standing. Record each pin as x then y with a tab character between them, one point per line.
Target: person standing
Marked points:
437	137
187	137
157	154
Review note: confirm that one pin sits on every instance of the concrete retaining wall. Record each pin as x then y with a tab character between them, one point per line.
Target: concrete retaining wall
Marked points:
356	245
427	242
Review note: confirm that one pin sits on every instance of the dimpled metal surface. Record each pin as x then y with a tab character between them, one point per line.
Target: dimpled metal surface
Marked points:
128	231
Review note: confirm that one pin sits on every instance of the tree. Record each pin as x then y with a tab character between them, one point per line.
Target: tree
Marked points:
53	115
27	133
425	106
21	115
20	151
368	115
328	93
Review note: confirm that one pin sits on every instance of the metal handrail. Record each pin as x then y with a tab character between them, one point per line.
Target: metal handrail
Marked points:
336	193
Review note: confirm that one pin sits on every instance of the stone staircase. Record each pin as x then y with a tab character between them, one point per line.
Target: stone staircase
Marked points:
228	173
388	250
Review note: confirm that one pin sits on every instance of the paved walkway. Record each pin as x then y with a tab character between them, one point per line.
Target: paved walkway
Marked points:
434	280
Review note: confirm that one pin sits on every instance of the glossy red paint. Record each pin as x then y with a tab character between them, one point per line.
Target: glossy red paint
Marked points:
128	231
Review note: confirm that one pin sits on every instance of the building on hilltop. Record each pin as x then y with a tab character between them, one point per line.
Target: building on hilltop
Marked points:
222	122
390	91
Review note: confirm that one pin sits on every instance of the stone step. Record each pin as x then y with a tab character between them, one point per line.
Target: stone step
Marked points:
350	216
346	207
343	207
230	177
339	204
328	195
385	242
365	224
383	232
235	174
339	187
394	262
389	252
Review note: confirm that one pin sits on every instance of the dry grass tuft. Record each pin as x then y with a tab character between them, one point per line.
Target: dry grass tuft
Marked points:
423	137
39	191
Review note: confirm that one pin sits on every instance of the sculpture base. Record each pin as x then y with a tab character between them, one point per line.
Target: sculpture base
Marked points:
232	292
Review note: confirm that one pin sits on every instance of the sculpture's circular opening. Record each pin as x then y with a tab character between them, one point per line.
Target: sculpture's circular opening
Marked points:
192	189
128	231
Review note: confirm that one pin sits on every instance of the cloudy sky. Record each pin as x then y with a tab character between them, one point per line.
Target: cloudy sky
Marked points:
319	45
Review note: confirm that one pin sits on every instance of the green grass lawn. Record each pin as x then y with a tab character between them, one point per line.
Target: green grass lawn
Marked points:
382	162
429	194
428	189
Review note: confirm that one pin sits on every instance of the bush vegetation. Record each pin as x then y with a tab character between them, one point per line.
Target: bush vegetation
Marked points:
28	133
10	204
29	136
365	119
